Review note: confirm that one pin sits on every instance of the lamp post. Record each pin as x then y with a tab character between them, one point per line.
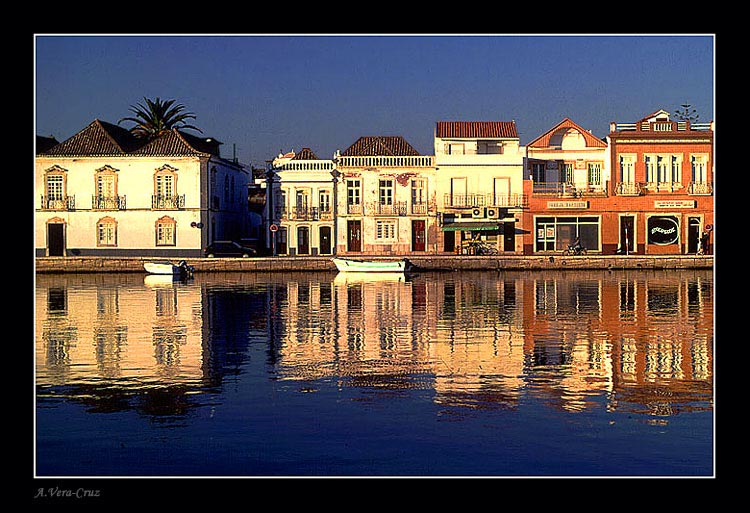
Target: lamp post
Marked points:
335	174
270	218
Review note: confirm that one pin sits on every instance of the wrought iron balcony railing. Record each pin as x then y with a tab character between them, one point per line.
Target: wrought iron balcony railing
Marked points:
485	200
700	188
108	202
160	202
628	189
58	202
304	214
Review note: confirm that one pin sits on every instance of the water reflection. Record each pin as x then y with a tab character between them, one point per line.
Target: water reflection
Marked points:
639	342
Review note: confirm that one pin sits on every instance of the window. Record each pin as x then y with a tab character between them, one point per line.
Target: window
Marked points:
55	187
106	232
566	173
538	172
386	192
698	168
556	233
627	169
165	191
418	195
385	230
165	232
352	192
324	201
663	169
595	173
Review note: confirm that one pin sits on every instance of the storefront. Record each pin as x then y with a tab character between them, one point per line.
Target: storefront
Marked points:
556	233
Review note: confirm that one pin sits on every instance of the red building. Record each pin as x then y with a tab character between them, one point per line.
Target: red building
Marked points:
647	190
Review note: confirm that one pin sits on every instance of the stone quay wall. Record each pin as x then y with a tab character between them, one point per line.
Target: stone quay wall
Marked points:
425	263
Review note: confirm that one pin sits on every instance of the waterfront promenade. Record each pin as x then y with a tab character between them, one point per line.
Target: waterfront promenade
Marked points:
427	263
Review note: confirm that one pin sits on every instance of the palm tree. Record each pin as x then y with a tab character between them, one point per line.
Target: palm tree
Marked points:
157	117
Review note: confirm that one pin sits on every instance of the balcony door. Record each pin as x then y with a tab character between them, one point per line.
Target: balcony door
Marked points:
354	236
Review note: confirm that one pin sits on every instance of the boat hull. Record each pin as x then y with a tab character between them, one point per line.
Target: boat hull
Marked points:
168	268
369	266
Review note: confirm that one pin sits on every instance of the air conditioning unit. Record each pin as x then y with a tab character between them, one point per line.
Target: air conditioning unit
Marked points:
493	213
478	212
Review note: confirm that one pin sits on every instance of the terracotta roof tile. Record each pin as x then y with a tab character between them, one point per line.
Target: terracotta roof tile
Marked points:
305	154
102	138
375	146
476	129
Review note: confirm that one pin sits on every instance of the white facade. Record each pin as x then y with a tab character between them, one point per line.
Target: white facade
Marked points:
480	182
300	204
100	193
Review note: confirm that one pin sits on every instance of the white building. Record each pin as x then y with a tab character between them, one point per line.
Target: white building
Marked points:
299	205
480	183
104	192
385	198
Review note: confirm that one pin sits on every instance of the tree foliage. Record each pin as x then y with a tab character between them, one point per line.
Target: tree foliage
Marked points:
154	117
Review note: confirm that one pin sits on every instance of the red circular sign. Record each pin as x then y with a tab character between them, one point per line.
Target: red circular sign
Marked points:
273	228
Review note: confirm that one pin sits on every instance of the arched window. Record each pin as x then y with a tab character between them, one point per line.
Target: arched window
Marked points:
106	232
166	230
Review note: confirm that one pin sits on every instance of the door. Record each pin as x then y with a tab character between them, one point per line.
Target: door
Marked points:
417	235
354	235
694	234
501	193
303	240
325	240
627	235
509	236
458	192
56	239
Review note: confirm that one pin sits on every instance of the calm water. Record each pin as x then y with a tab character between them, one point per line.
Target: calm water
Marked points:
442	374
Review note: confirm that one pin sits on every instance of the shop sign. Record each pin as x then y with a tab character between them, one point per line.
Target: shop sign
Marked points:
663	230
568	204
674	204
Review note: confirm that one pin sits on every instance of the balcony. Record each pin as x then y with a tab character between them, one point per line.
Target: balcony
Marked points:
398	208
485	200
628	189
58	203
304	214
700	188
162	202
567	190
107	202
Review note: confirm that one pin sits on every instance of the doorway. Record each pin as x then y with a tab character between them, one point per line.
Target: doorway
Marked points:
509	236
627	235
354	236
694	234
418	235
56	239
325	240
303	240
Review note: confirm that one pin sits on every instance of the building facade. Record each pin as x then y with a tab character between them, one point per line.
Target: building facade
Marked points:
385	199
479	181
661	198
300	205
646	189
567	175
103	192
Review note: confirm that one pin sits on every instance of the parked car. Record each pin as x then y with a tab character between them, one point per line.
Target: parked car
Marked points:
227	248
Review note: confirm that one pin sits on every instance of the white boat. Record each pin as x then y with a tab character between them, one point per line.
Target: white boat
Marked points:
168	268
370	266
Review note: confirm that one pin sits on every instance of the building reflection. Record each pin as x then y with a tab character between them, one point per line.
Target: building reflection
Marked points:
634	341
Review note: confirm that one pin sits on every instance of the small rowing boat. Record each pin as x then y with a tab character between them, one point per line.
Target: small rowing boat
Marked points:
370	266
168	268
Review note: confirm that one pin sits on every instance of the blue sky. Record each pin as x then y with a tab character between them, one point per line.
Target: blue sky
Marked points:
262	94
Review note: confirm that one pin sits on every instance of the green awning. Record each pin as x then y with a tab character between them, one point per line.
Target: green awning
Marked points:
475	226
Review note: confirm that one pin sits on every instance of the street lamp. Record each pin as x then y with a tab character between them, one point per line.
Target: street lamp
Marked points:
335	174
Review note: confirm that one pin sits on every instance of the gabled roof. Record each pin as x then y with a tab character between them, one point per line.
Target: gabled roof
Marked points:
175	142
543	140
476	129
101	138
658	113
98	138
305	154
376	146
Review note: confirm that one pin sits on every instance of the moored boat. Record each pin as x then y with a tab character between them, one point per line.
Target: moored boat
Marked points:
370	266
168	268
